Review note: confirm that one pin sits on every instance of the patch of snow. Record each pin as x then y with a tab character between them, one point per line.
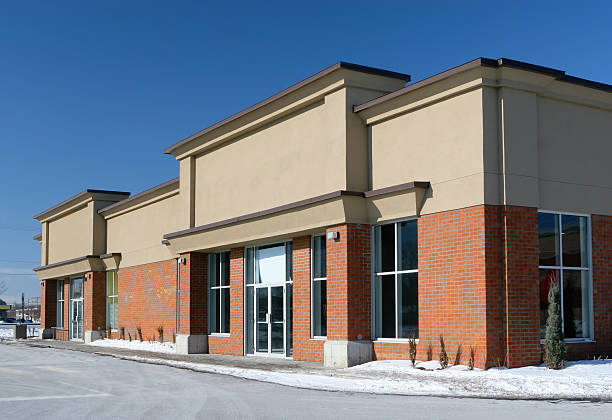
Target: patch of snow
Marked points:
154	346
584	380
6	333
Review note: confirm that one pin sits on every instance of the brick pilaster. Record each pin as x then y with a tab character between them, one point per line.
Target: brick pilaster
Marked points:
349	296
94	301
48	303
193	301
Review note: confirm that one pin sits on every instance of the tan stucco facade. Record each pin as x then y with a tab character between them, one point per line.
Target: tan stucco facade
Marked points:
338	144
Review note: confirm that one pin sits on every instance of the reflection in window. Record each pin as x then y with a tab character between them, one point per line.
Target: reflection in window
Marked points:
564	261
219	292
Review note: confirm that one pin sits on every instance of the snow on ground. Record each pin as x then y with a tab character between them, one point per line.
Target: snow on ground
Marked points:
7	331
155	346
584	380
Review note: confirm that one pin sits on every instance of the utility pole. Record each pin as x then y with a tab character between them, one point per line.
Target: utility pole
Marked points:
22	306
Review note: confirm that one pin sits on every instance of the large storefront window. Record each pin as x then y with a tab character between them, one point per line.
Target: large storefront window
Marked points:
112	293
396	291
319	287
219	293
565	261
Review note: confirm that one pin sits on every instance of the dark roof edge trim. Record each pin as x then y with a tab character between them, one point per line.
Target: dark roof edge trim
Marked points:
139	195
397	188
79	195
37	237
486	62
291	89
263	213
72	260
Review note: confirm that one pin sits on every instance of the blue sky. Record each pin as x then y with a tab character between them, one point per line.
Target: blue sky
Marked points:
92	92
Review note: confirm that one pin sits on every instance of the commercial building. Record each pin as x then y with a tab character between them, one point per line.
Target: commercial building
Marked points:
350	212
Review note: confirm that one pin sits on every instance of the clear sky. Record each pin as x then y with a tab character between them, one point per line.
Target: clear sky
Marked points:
92	92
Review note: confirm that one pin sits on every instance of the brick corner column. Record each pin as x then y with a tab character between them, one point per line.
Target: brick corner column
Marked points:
48	308
521	317
94	305
193	310
349	296
237	301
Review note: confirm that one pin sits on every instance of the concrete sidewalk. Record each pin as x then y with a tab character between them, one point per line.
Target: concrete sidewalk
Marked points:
272	364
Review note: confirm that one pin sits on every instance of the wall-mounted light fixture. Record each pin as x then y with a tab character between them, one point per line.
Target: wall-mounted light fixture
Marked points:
333	235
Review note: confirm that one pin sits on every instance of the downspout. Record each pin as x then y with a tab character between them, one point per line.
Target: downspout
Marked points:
178	294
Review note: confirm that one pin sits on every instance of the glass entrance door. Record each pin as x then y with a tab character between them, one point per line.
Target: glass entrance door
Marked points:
270	320
76	309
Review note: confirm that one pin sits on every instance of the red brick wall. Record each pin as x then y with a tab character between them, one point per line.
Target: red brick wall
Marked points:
193	294
465	284
349	288
601	233
147	299
234	344
48	303
304	348
95	301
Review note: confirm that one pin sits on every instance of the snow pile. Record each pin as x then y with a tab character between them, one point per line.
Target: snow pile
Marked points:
585	380
155	346
6	333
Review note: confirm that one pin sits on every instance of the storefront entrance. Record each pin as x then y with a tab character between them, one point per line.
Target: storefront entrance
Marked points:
76	308
269	326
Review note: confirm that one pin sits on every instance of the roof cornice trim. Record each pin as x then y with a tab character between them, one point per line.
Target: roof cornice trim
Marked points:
485	62
135	197
287	91
398	188
82	195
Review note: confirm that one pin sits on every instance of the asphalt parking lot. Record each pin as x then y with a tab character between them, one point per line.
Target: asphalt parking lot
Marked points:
58	384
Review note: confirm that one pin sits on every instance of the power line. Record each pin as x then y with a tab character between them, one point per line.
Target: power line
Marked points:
17	274
20	261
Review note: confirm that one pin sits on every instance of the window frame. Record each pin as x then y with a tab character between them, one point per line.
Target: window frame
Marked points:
59	313
312	280
396	222
108	297
219	287
561	268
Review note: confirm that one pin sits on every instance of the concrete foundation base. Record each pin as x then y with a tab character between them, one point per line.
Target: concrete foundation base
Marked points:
344	353
21	331
92	336
45	333
191	343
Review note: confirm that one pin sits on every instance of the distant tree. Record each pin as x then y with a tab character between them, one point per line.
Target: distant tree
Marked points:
3	287
555	350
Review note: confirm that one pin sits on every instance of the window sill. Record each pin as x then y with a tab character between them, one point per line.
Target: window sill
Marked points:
318	338
395	340
575	341
218	335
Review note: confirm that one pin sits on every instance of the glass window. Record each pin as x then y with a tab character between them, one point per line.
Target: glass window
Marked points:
219	292
59	319
319	286
564	261
112	294
396	289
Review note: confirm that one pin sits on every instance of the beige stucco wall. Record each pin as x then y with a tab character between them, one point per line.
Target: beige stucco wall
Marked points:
137	233
549	149
71	235
441	143
297	157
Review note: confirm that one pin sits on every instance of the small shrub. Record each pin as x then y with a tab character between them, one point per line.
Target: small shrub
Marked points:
130	336
122	333
555	349
160	332
412	351
109	331
443	355
174	338
458	354
472	357
429	352
139	331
